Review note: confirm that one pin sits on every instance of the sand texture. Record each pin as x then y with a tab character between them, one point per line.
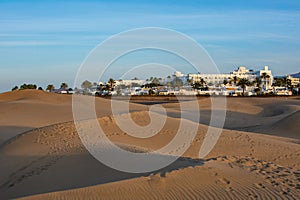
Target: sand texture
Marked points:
42	156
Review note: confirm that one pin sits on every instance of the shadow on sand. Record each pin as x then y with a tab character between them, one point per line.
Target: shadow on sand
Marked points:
45	174
8	132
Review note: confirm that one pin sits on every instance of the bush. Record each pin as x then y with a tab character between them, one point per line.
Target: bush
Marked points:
15	88
28	86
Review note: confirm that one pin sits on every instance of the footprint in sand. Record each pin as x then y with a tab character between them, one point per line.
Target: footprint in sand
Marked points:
224	181
259	185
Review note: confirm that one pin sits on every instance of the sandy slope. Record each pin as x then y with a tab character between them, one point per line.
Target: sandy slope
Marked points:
242	165
27	109
260	115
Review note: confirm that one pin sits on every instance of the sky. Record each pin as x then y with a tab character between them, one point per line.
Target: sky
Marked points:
45	42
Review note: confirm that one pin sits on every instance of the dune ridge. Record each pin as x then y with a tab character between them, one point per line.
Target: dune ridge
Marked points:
49	161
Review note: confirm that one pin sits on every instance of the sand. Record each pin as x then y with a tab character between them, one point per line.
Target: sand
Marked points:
42	157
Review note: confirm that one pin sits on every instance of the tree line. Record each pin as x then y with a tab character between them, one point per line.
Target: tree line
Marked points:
50	87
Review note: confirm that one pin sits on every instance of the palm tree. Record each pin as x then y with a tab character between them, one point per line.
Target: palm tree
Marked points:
111	83
257	81
289	84
199	84
196	85
257	91
265	77
225	82
189	81
202	82
50	88
107	87
229	80
278	82
235	80
169	84
243	82
155	81
64	86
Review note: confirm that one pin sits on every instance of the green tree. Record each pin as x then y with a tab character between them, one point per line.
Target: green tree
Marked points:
86	84
197	85
298	89
28	86
190	82
23	87
279	82
257	82
289	83
169	84
225	81
177	82
107	87
135	85
64	86
235	80
15	88
257	91
101	86
264	76
243	83
111	83
151	92
202	82
50	88
155	81
40	88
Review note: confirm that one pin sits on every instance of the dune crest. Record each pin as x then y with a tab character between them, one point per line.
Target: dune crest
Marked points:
49	161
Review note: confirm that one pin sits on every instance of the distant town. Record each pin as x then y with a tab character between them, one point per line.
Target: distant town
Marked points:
240	82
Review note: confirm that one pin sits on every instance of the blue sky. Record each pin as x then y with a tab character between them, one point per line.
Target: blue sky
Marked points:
45	42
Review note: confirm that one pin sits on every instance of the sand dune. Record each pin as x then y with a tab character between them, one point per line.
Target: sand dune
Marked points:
291	121
27	109
55	154
49	160
259	115
201	182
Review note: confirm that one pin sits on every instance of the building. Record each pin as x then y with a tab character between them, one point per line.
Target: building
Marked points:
130	82
243	72
232	77
218	79
295	79
178	74
209	79
266	78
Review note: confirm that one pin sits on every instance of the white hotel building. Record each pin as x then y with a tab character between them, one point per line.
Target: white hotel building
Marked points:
241	72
